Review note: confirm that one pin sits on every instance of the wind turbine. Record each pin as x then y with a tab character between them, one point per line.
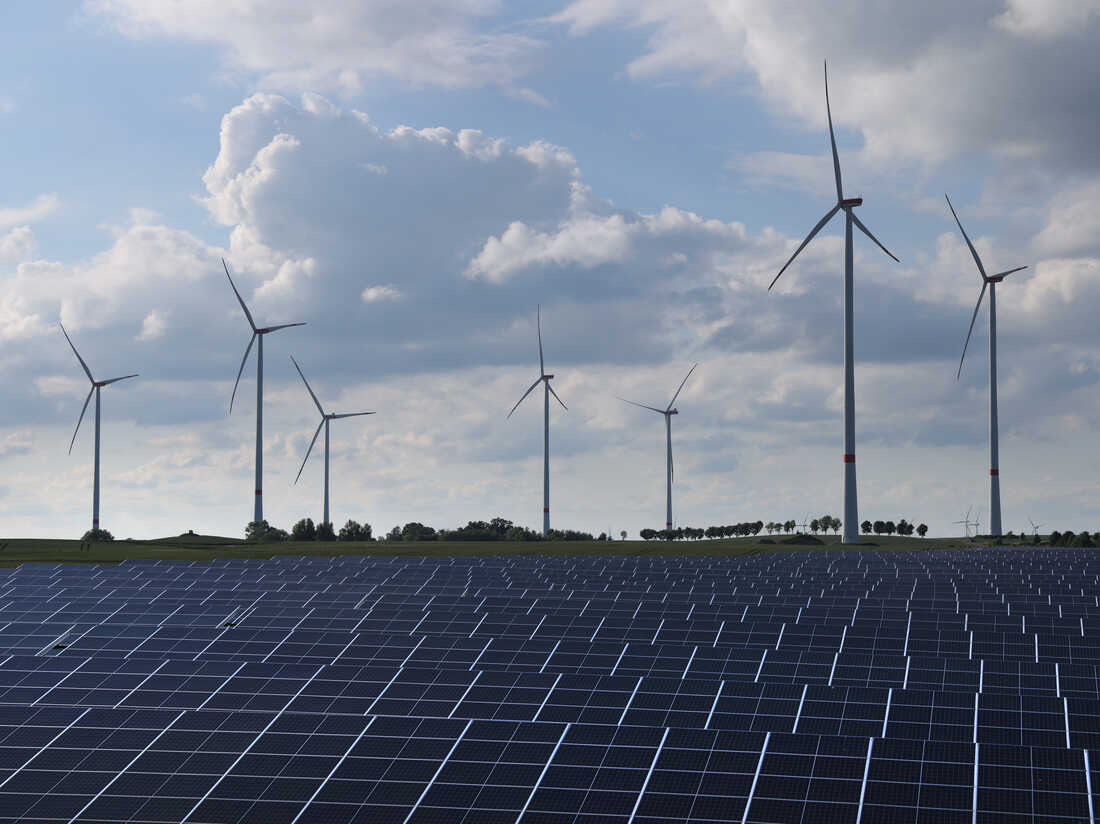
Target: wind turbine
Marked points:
257	332
991	282
548	390
325	419
668	412
851	513
96	387
965	522
1034	527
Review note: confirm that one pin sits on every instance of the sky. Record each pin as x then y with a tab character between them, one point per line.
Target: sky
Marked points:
413	180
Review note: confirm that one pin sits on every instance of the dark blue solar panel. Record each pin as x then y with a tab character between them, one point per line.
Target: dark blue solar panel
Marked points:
828	686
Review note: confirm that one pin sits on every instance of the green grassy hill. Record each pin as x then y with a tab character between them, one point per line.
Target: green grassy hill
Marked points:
205	547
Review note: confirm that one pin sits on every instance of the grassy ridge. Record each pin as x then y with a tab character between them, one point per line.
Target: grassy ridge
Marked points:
207	547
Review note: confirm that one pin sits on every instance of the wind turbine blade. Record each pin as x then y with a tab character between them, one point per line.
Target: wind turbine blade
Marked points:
81	418
973	251
311	443
555	394
308	387
351	415
239	371
643	406
116	380
674	397
247	314
538	324
832	138
525	394
973	318
867	232
1009	272
282	326
821	223
87	371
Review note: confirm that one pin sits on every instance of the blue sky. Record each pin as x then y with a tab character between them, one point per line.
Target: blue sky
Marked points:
412	180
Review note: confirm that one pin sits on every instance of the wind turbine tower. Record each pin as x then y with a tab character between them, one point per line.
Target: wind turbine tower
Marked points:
548	390
258	333
326	418
990	282
668	412
96	387
851	509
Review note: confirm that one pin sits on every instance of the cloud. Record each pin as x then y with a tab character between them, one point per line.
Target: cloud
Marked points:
42	206
154	325
17	244
385	291
889	73
339	46
16	443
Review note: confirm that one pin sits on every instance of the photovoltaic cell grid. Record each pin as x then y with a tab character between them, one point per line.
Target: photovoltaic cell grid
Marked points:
794	687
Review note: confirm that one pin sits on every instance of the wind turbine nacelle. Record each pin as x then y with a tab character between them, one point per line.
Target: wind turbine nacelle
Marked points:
673	412
995	279
547	377
851	201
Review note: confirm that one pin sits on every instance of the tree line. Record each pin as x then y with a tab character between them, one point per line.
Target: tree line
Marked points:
497	529
902	527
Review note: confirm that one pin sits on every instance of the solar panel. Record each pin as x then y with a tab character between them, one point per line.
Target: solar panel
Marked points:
829	686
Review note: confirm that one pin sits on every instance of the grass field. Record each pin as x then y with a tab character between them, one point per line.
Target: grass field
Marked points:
16	551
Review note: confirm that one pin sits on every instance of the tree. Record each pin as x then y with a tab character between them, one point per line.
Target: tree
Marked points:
648	534
866	527
880	527
354	531
836	524
623	534
903	527
324	532
97	535
891	528
394	534
416	531
256	530
922	530
304	530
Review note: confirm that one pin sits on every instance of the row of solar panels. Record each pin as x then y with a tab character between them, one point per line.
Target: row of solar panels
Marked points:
122	765
474	689
993	717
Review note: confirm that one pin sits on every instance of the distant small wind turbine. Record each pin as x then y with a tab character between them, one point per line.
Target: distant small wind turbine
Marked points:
991	282
966	522
548	390
257	333
325	419
1034	526
851	509
96	387
668	412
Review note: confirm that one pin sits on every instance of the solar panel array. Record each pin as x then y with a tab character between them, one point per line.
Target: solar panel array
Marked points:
793	687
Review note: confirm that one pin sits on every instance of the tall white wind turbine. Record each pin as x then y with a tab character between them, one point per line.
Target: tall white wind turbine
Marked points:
96	387
326	417
851	509
257	333
548	390
668	412
990	282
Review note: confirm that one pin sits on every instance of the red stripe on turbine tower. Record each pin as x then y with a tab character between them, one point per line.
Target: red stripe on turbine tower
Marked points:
849	459
259	492
994	472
